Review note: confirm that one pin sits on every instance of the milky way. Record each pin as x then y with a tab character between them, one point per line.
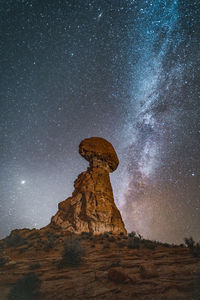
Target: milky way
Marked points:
127	71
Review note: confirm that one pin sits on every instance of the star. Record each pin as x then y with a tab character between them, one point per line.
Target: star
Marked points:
23	182
99	16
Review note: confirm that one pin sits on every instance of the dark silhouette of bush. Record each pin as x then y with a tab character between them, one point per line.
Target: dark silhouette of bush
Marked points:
149	244
193	247
26	288
196	250
72	254
132	234
136	241
86	235
106	234
111	239
133	242
189	242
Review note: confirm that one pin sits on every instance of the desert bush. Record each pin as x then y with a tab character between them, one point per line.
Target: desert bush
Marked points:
14	240
132	234
106	234
111	239
72	254
86	235
189	242
193	247
133	243
166	245
195	251
150	245
26	288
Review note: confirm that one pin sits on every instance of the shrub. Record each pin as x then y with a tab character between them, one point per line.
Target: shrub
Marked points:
189	242
26	288
166	245
150	245
14	240
132	234
86	236
106	234
193	247
133	243
111	239
72	254
195	251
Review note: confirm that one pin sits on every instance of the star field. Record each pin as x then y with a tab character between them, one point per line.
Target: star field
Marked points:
127	71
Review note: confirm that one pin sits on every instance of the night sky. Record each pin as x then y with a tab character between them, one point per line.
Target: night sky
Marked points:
127	71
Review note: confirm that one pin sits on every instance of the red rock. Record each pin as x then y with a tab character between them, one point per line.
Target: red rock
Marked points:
91	207
118	276
98	151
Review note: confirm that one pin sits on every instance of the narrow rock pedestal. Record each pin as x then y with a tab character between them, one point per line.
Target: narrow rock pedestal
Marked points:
91	207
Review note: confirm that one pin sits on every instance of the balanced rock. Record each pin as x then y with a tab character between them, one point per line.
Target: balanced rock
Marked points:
91	207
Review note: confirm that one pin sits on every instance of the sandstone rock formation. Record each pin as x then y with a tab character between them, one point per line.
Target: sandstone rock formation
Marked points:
91	207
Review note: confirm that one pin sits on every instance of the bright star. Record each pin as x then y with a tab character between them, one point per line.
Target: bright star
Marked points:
23	181
99	16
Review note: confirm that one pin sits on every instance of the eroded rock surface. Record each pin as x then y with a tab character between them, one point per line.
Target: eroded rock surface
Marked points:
91	207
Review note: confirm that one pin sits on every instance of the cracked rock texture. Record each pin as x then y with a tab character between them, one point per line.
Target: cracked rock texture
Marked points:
91	207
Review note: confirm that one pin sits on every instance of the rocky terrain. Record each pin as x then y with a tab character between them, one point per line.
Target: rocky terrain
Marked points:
85	252
110	267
